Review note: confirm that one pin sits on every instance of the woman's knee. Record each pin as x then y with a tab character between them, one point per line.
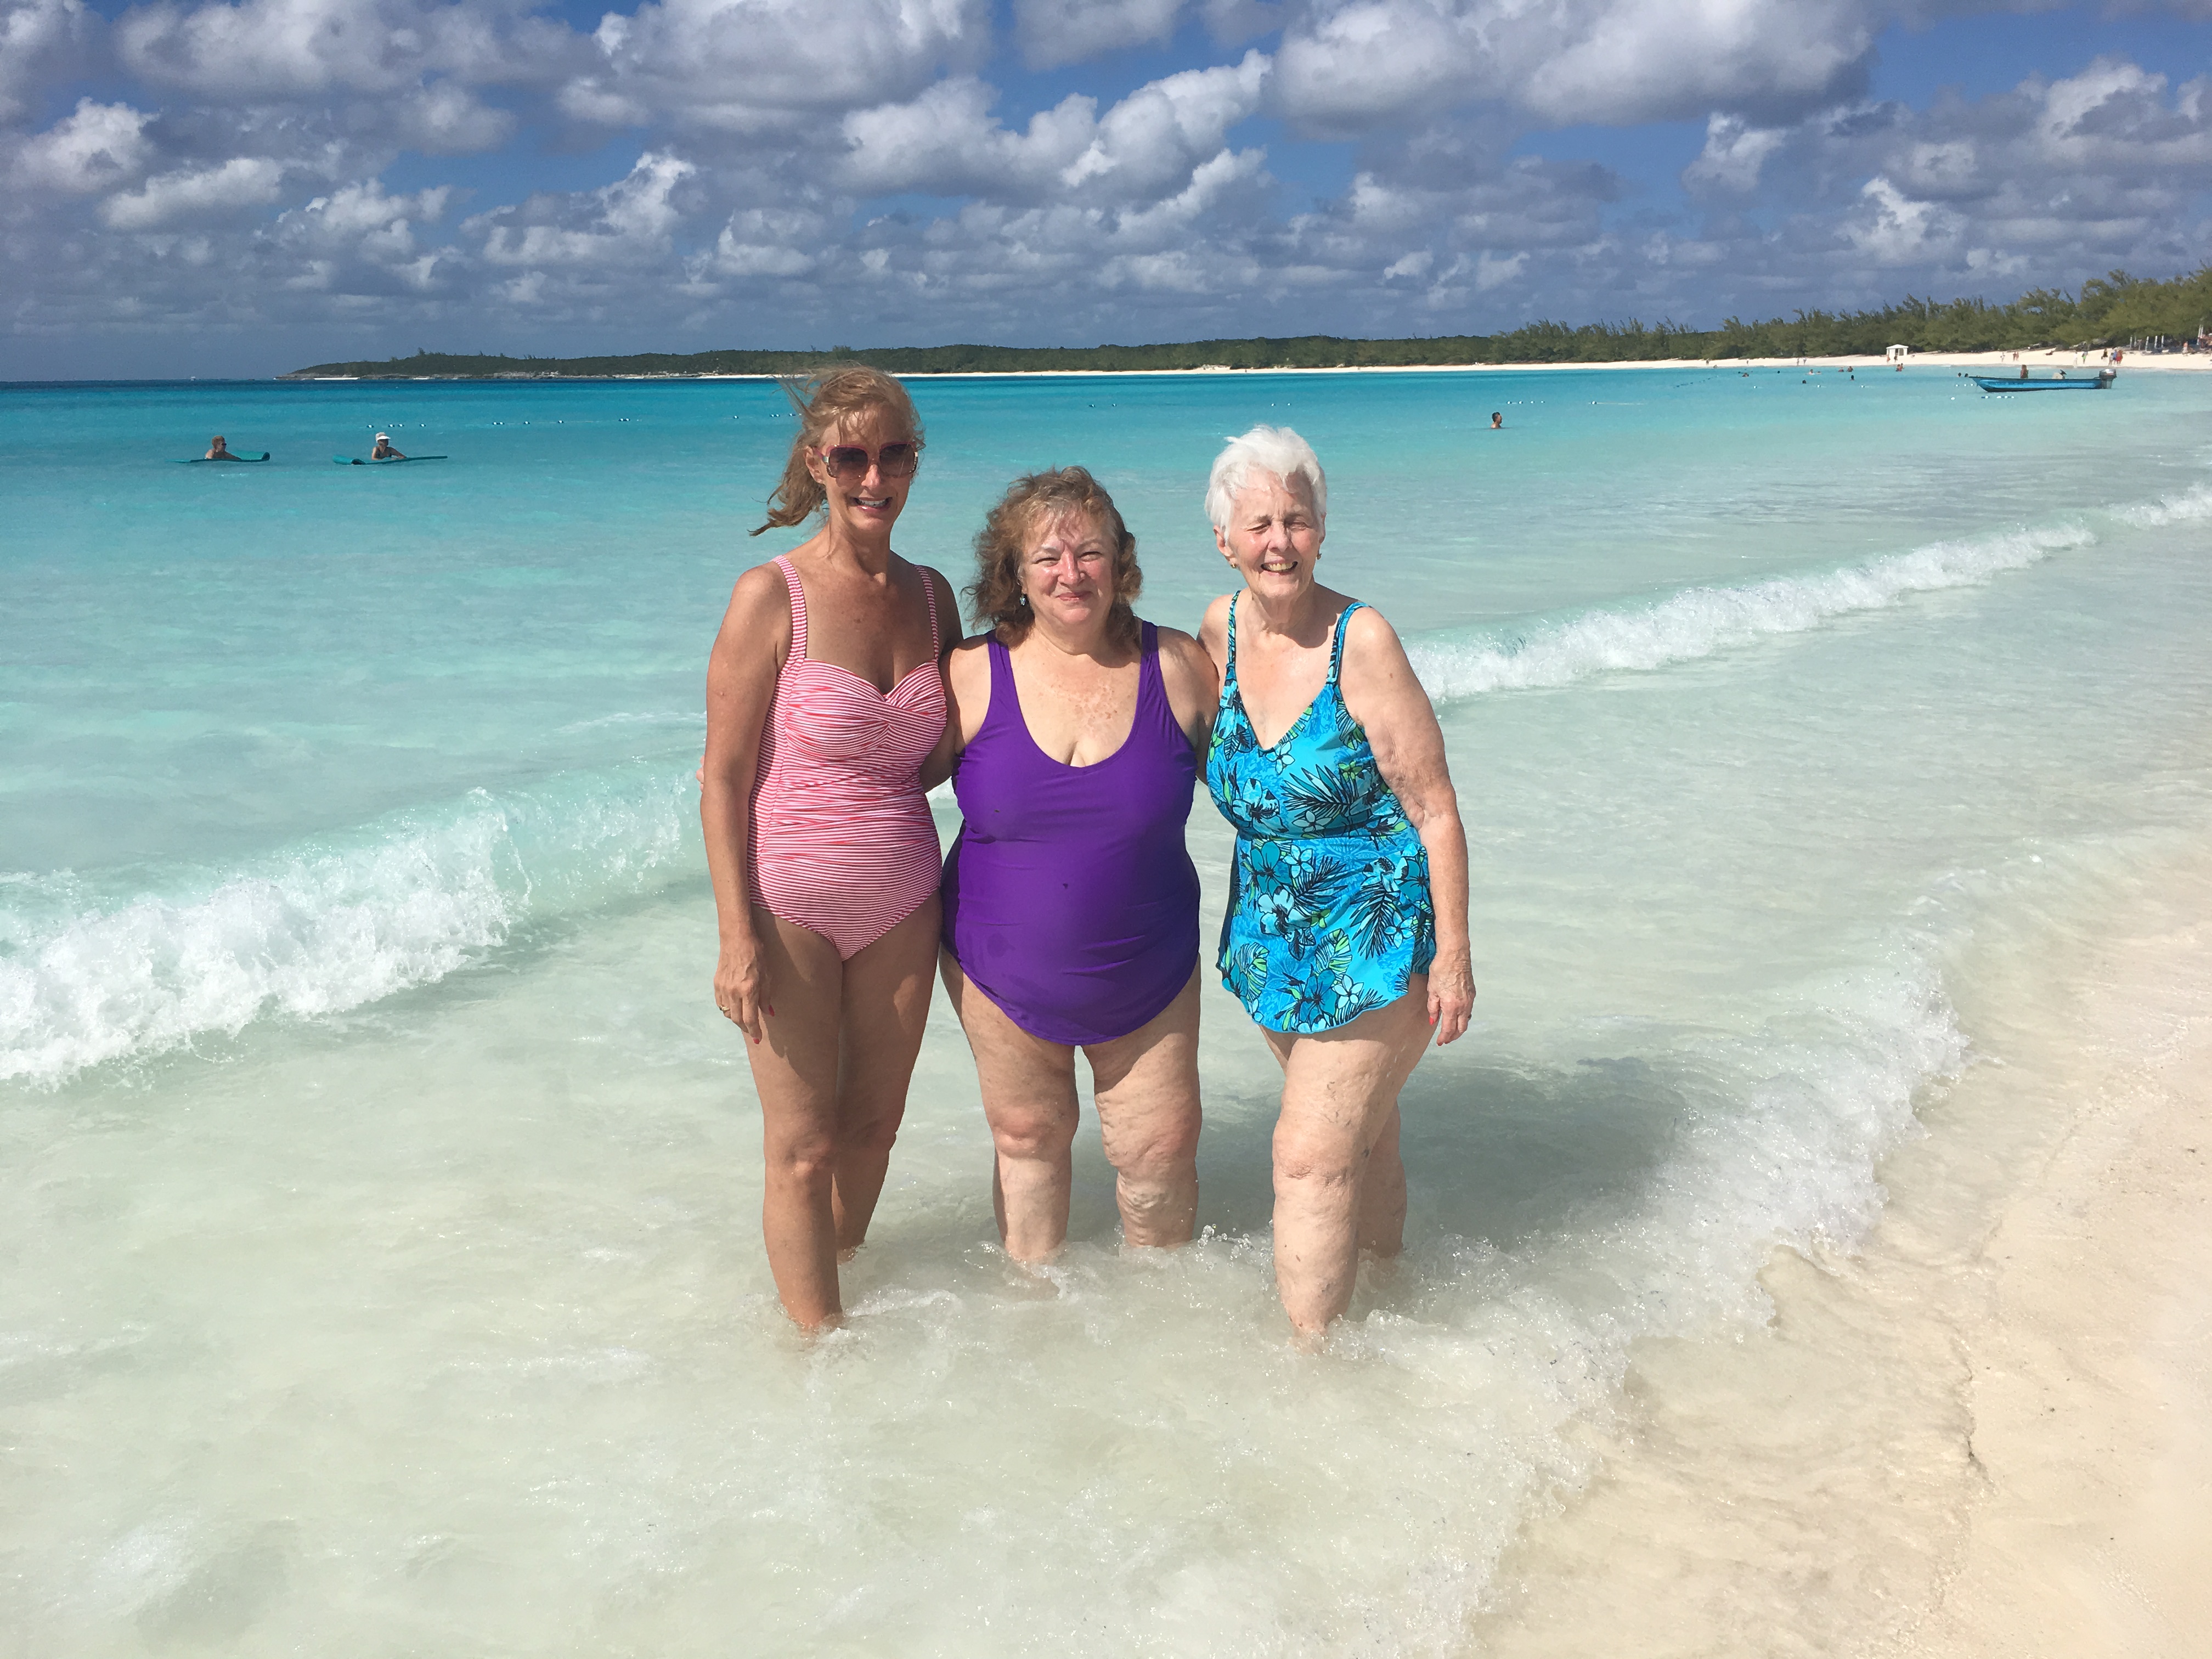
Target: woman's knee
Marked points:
1308	1160
1161	1155
1026	1134
807	1158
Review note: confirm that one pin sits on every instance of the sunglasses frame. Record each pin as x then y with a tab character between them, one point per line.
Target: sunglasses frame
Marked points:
826	453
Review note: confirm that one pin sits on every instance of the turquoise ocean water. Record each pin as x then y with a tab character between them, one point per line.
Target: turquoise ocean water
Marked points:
379	1186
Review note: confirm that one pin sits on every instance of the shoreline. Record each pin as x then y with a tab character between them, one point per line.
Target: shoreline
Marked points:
2168	362
1985	1432
2091	1392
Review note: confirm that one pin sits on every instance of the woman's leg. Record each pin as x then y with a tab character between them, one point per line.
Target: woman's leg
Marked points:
1383	1190
831	1075
795	1074
1147	1085
885	1011
1335	1146
1029	1096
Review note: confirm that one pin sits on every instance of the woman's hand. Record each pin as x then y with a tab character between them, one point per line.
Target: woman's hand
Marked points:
741	987
1451	995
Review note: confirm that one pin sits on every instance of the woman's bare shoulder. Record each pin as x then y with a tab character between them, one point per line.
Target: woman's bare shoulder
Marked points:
1370	635
1213	628
758	598
967	660
1181	651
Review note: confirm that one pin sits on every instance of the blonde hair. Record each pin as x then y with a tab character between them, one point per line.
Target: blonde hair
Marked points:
1275	449
996	597
829	399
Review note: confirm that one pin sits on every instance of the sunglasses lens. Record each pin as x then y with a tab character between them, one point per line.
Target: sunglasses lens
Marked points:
851	461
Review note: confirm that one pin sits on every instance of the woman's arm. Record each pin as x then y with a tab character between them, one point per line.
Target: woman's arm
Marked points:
1214	636
1385	696
968	699
942	758
741	674
1194	687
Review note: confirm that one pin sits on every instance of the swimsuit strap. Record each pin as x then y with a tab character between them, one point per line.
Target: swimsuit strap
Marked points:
1336	652
797	608
1229	680
1006	702
1149	677
929	593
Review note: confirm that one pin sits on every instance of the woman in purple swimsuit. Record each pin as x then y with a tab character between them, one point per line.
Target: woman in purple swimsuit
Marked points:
1071	907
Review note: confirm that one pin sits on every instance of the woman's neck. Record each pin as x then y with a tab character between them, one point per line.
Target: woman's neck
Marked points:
1097	641
1292	618
868	553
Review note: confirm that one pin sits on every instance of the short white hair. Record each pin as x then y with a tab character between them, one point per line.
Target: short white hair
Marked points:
1275	449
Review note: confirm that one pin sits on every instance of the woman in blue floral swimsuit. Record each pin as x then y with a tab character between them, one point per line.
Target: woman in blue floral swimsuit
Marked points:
1345	937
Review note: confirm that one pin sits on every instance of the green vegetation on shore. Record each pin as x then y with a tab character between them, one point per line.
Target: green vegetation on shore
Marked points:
2109	310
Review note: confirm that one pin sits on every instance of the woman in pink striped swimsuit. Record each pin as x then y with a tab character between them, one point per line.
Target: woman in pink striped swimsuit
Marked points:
825	696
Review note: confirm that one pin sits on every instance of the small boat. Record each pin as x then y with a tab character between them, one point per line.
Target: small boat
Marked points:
2102	379
389	460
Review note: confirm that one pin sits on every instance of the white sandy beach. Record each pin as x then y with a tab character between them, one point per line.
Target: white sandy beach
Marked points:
2038	361
1988	1431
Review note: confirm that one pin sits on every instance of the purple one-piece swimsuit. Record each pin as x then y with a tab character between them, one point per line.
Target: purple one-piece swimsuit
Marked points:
1070	900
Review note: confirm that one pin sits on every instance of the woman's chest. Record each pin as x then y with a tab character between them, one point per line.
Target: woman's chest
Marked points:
1078	717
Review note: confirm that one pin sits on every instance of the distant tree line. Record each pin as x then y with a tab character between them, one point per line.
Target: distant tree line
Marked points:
2109	310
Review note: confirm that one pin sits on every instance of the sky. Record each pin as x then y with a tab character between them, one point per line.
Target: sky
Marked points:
243	189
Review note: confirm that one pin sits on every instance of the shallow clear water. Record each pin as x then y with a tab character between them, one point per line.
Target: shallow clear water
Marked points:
379	1189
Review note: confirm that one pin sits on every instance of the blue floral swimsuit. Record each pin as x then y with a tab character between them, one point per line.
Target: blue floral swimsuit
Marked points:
1329	912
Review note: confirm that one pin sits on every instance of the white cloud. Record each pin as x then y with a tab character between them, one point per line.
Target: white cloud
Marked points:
97	149
361	216
1056	32
1349	65
276	49
1735	151
1642	60
39	41
946	141
749	67
244	181
358	240
768	242
627	223
447	118
1896	230
1490	271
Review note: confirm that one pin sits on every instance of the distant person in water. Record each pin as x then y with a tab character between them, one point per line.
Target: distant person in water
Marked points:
1071	905
1497	420
384	451
218	450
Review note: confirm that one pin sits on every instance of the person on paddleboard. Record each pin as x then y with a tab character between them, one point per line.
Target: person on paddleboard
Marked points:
218	450
384	451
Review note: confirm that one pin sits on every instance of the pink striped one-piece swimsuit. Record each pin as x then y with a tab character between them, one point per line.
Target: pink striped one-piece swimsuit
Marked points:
842	841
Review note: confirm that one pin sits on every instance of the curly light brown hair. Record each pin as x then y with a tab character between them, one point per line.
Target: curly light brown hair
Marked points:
996	600
829	399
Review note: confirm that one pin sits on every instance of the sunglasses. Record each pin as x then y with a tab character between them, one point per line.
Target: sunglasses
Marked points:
851	461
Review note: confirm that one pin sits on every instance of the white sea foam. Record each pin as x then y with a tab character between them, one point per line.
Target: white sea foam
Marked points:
1697	622
318	928
2191	506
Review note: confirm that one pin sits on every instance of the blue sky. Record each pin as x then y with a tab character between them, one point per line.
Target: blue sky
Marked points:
243	188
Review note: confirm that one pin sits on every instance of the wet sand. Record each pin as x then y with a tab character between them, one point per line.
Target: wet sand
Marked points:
1985	1432
2092	1370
